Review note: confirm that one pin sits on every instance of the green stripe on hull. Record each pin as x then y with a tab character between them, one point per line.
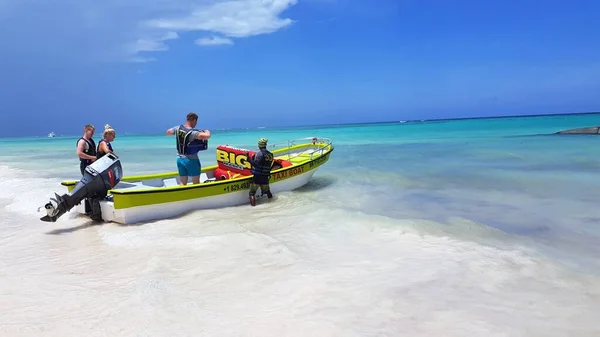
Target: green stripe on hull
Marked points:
153	196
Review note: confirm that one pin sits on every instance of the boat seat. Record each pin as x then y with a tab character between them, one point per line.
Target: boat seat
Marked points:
130	186
169	182
158	182
124	185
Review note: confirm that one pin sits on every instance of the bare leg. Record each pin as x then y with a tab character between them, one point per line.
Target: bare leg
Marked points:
195	179
183	180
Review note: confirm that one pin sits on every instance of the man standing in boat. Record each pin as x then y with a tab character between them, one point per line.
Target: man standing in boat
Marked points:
189	141
86	148
86	151
261	171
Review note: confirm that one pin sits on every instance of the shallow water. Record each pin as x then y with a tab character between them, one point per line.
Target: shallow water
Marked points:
456	228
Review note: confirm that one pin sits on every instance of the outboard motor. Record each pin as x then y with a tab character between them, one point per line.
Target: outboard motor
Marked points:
98	178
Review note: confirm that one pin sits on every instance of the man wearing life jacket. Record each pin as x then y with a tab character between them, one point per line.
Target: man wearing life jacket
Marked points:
189	141
86	148
261	171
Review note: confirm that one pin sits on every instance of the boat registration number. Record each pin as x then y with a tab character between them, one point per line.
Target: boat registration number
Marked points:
237	187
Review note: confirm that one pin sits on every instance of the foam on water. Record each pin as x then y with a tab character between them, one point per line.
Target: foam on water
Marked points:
443	239
357	275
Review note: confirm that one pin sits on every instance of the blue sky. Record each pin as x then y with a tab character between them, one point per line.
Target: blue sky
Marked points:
142	65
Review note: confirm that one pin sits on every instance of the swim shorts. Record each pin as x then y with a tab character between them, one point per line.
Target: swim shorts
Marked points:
260	179
188	167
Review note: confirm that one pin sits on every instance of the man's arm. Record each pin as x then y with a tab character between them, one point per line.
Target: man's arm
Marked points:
80	154
203	134
257	158
171	131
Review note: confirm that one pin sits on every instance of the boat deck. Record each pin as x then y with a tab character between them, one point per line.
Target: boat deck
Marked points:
296	158
301	157
153	183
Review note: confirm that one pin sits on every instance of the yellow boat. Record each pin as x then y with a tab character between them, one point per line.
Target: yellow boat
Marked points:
150	197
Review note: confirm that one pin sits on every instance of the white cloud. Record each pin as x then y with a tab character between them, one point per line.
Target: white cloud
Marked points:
138	59
130	29
234	18
231	18
213	41
153	44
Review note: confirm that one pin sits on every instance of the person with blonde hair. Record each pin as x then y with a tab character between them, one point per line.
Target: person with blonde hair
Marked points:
104	145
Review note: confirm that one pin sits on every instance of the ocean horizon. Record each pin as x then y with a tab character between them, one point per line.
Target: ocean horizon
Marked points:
326	125
454	227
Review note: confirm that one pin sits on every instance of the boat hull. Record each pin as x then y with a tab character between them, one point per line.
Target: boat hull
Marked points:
172	209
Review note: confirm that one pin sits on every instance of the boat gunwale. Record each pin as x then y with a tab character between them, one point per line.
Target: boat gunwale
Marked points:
324	151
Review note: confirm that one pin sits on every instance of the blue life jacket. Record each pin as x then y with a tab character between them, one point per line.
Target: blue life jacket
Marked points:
185	146
91	150
263	165
99	153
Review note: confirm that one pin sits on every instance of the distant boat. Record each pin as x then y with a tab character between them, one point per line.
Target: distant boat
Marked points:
51	135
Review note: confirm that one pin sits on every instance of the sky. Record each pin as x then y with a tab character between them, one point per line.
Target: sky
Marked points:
142	65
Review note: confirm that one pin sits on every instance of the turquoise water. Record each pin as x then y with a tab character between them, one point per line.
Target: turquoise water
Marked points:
483	226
